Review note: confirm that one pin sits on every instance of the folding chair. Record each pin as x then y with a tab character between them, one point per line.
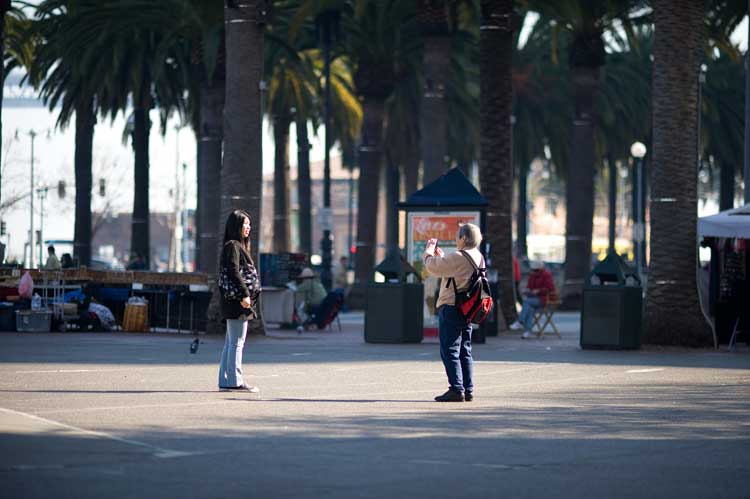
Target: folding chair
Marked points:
543	317
738	329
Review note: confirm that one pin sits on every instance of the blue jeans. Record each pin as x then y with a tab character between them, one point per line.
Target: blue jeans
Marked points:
530	305
230	367
455	349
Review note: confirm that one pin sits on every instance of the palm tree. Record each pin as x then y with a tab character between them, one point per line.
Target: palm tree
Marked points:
242	166
586	21
433	17
672	309
17	42
294	89
4	9
204	30
131	46
210	135
304	30
462	95
623	105
495	164
62	79
541	111
402	147
382	36
722	122
241	170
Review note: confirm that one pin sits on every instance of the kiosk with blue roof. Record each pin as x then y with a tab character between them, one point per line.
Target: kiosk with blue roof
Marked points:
436	211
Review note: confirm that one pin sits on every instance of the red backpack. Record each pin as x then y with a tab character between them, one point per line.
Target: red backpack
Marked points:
474	302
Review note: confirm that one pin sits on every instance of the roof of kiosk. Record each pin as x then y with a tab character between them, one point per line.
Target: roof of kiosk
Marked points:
730	223
451	189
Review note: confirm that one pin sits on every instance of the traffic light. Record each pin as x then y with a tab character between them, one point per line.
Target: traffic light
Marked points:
3	228
61	189
102	187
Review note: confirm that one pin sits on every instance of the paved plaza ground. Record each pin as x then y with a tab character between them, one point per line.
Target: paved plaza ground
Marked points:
125	415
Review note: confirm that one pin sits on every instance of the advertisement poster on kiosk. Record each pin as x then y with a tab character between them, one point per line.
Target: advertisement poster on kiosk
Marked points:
442	225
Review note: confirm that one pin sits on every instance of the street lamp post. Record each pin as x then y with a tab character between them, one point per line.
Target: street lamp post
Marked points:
42	192
327	22
32	134
638	151
612	203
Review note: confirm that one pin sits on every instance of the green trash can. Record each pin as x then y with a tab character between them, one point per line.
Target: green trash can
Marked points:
393	312
612	309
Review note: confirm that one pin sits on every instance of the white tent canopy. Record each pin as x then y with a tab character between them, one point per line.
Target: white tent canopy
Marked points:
731	223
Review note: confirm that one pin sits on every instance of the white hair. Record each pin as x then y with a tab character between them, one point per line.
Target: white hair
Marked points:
471	234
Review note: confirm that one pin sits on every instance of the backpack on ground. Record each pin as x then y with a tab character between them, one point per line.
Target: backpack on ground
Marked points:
474	302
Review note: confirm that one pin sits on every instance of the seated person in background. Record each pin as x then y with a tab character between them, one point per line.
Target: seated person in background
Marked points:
309	294
86	320
66	261
538	288
136	262
52	262
340	279
339	275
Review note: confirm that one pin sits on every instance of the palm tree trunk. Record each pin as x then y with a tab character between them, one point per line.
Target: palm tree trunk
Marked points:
432	16
241	170
139	239
209	168
370	155
522	220
433	126
281	234
392	188
411	171
672	310
726	186
85	121
579	188
303	188
495	163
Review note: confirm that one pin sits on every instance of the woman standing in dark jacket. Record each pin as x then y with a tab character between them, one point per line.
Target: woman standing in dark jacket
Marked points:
240	288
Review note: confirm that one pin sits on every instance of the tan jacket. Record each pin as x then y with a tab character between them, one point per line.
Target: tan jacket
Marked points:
451	265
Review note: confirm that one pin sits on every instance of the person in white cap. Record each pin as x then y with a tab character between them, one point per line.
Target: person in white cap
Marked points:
539	286
309	294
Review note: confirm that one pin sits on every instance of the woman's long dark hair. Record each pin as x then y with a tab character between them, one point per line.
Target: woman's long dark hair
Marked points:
233	229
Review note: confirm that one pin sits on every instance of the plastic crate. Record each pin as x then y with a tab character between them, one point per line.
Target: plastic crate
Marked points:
33	321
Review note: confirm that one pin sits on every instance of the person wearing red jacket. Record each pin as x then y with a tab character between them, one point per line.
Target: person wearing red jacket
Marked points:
539	287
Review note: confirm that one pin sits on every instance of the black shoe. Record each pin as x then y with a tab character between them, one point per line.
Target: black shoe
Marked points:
468	396
450	396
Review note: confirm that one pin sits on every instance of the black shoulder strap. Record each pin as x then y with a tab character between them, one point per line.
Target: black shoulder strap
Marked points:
471	260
